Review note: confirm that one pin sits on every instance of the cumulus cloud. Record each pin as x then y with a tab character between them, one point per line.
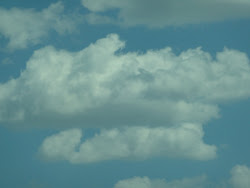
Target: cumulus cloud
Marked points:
240	177
159	13
100	86
140	143
145	182
61	146
25	27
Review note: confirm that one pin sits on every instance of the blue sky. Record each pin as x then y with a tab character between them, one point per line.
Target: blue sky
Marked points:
134	94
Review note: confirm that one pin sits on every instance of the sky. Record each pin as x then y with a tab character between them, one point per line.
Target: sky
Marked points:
125	94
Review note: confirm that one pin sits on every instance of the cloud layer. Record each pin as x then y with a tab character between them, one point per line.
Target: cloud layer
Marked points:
159	13
131	143
26	27
100	86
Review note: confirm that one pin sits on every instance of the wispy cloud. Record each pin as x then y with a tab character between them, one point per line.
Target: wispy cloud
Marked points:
26	27
160	13
7	61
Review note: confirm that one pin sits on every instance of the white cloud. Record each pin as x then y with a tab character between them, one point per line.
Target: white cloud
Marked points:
145	182
159	13
100	86
25	27
61	146
140	143
240	177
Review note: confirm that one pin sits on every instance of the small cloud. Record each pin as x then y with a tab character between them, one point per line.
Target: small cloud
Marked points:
224	146
240	179
145	182
240	176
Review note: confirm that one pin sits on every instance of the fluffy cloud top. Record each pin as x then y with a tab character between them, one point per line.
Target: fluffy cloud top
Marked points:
25	27
145	182
240	176
158	13
100	86
131	143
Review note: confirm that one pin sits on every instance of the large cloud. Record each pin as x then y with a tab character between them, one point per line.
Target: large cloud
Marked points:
159	13
131	143
127	95
25	27
100	86
240	176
